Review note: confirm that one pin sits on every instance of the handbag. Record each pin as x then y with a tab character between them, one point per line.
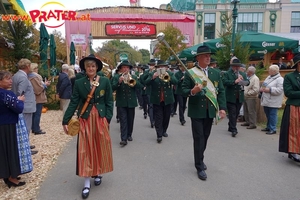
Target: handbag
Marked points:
74	124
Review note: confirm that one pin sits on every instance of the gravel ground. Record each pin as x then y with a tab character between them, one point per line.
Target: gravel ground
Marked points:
50	147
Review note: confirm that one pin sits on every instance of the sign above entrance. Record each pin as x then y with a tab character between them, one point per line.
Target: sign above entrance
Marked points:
137	29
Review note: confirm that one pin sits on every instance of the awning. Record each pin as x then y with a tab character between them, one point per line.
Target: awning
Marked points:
14	7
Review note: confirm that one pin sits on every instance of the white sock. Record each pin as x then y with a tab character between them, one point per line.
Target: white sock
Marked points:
87	184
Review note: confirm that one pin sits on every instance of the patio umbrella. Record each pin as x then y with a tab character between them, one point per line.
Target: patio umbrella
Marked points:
189	53
72	54
44	37
259	42
52	51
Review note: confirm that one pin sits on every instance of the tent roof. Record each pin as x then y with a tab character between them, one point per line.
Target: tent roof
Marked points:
293	36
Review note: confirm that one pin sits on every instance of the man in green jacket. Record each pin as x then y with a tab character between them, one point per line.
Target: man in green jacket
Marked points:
125	86
181	99
161	97
234	80
207	101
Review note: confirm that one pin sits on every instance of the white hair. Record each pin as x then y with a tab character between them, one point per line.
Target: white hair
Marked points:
64	67
251	69
274	68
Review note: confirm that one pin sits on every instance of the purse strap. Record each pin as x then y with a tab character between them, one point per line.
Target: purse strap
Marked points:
90	95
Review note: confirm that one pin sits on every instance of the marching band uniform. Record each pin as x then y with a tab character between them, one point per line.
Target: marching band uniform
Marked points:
126	101
162	99
143	91
151	64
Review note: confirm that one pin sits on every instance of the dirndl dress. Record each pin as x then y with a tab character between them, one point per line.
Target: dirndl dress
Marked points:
94	151
23	146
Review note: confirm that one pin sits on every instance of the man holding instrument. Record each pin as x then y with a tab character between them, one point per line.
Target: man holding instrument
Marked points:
207	101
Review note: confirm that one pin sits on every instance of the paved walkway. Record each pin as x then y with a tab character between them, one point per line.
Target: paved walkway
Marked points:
248	167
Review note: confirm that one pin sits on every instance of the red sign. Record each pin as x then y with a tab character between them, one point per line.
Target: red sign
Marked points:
137	29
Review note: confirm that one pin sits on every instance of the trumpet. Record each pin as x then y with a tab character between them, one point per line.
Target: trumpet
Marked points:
128	79
107	71
163	75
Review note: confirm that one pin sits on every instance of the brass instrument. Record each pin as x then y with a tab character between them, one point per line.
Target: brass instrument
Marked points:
140	74
106	71
128	79
163	75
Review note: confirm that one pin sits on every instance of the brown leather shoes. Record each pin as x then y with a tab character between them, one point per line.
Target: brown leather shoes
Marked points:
251	127
245	124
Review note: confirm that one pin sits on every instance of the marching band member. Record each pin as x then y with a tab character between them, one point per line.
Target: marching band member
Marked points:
161	97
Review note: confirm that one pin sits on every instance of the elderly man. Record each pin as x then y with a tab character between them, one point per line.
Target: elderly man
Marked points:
251	92
64	88
234	80
22	85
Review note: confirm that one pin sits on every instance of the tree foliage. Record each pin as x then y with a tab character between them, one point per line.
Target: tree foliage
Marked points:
21	43
174	37
241	51
111	50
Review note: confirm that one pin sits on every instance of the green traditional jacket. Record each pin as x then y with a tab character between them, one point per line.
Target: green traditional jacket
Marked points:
125	95
157	85
178	76
102	99
233	90
199	105
291	87
148	87
142	81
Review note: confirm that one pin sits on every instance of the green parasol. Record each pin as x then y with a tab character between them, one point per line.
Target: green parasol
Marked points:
72	54
188	54
52	51
44	37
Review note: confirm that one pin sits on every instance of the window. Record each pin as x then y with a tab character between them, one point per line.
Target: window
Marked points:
250	22
209	26
295	22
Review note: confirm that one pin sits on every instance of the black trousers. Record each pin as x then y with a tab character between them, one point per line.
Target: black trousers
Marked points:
201	130
174	105
126	116
145	104
233	113
139	96
150	110
182	105
162	114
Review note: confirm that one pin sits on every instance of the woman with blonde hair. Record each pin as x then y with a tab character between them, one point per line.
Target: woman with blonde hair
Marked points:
271	98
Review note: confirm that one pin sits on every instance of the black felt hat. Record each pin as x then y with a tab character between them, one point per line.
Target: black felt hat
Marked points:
203	50
236	62
161	63
152	62
125	63
296	60
91	57
212	61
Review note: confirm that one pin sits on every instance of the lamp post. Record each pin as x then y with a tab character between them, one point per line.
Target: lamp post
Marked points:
91	43
234	16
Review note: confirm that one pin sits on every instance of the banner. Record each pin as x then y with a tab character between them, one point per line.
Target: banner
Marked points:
137	29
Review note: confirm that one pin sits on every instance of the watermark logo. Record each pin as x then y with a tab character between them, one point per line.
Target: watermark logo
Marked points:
53	14
266	44
220	45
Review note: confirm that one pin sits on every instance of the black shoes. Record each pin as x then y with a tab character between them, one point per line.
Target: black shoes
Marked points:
183	122
251	127
33	152
97	180
85	195
204	166
145	116
12	184
265	129
234	133
290	156
129	138
159	140
245	124
202	175
271	132
123	143
165	134
32	146
39	132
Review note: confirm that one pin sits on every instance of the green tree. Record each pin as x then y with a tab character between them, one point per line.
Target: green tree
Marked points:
145	55
22	43
174	37
241	51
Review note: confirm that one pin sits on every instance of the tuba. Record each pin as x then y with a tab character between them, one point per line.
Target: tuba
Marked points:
163	75
128	79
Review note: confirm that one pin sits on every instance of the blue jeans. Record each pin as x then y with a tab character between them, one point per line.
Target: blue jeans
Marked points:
271	114
36	118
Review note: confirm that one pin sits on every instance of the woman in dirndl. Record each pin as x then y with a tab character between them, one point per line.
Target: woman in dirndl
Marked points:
94	151
10	106
289	140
